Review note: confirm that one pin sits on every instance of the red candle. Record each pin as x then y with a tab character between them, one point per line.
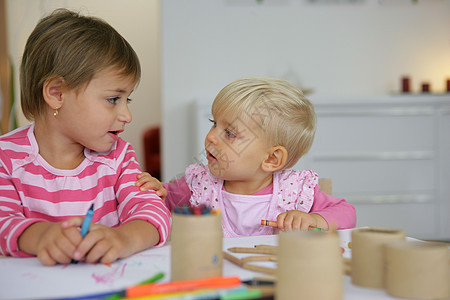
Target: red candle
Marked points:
448	86
425	87
405	84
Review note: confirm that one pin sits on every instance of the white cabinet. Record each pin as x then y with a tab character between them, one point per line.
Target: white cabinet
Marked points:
389	157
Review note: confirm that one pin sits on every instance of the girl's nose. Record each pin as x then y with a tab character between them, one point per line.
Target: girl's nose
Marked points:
211	137
125	114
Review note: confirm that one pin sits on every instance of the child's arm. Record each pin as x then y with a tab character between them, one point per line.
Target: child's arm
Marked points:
134	204
335	211
144	220
327	211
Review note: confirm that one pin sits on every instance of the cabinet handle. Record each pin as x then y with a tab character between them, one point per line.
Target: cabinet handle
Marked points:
378	156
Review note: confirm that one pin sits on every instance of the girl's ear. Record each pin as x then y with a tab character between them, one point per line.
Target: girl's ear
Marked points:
52	92
276	160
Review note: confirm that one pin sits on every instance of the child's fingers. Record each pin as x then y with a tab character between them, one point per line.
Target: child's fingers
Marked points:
287	224
297	223
45	258
93	237
69	241
305	226
162	193
57	255
98	252
280	220
72	222
144	176
149	186
111	255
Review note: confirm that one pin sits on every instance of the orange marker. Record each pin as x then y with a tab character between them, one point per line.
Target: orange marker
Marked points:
275	224
183	285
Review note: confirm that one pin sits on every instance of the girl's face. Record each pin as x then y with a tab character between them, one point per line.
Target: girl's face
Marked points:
98	113
235	148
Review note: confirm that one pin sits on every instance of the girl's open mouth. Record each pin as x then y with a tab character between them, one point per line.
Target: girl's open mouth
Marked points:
115	132
209	156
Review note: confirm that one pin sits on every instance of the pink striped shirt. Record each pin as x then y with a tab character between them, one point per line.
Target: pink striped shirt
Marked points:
31	190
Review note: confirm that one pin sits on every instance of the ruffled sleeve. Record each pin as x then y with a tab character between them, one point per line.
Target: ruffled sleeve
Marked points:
203	185
296	189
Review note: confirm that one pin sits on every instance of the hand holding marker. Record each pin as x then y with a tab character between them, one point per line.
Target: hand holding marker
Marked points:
85	226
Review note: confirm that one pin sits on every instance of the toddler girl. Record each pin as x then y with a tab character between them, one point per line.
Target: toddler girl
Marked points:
260	128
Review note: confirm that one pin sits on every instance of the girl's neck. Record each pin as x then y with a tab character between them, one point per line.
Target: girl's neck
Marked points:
55	150
247	187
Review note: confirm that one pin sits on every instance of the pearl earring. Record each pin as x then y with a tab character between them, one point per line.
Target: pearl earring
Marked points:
55	113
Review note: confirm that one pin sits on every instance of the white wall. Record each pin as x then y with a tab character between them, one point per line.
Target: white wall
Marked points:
338	48
137	20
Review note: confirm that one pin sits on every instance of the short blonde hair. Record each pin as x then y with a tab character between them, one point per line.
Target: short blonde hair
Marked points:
285	115
73	47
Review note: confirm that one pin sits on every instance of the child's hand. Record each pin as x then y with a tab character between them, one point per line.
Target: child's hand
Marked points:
58	241
298	220
146	182
101	244
105	245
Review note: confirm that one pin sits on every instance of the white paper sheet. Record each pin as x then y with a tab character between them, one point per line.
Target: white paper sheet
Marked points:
27	278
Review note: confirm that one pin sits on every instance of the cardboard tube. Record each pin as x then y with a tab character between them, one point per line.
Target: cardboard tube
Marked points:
417	270
309	266
367	254
196	246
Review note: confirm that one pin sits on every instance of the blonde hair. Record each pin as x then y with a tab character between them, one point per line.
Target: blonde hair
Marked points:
281	110
73	47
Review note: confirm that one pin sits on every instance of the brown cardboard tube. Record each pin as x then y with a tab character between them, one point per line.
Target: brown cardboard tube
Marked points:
309	266
417	270
367	266
196	246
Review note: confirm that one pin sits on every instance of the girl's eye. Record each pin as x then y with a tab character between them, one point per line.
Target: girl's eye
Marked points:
230	133
113	100
214	122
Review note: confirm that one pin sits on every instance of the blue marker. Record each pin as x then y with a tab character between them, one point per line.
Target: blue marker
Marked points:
87	221
85	226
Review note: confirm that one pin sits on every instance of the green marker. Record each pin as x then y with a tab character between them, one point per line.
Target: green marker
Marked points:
312	228
155	278
242	295
117	296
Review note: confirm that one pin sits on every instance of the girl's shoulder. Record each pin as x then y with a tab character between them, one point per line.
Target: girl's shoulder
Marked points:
19	136
204	186
295	189
17	147
297	177
199	175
